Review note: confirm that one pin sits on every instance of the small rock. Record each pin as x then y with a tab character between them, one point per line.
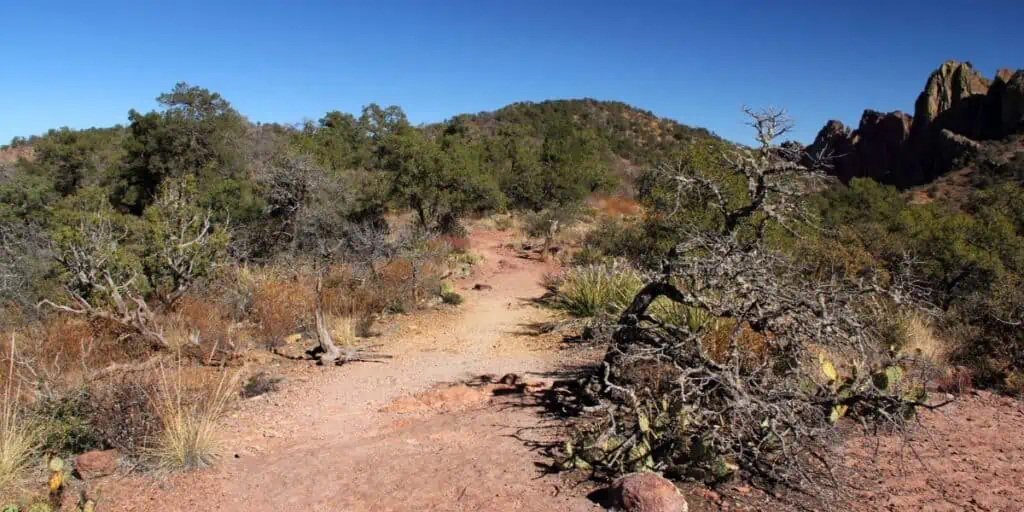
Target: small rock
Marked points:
481	287
509	379
648	492
96	464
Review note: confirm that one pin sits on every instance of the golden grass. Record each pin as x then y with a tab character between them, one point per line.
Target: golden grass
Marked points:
921	341
16	440
189	407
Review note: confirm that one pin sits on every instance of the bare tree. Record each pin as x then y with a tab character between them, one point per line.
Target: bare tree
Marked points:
101	279
765	406
106	275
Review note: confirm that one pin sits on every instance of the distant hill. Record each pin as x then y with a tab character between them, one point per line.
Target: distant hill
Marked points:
632	133
636	138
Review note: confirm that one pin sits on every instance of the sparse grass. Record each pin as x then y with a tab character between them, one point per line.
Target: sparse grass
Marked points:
922	342
449	295
596	289
189	412
457	244
17	441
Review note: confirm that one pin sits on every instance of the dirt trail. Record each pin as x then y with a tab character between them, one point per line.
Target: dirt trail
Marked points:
384	436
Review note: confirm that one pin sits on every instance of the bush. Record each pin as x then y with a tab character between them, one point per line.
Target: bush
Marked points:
65	423
586	257
280	307
449	295
597	289
539	224
124	414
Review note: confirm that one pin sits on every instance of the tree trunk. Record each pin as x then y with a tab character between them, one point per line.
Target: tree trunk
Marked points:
329	352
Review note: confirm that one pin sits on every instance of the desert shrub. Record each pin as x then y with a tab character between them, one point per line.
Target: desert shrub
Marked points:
201	328
124	414
189	407
539	224
504	222
281	306
970	260
65	422
642	241
745	376
597	289
449	295
457	244
586	257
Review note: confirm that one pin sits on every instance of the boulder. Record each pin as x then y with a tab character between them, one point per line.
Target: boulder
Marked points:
96	464
647	492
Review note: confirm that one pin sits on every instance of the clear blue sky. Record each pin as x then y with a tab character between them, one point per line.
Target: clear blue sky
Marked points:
85	63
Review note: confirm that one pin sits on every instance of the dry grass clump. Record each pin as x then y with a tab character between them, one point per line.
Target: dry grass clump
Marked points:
17	441
922	342
189	406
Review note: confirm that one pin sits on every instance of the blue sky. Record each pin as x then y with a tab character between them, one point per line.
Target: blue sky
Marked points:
84	64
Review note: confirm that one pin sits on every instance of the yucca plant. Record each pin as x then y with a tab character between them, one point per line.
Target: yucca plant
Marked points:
597	289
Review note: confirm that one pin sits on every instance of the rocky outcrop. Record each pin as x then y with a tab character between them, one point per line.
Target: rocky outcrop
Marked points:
1012	104
957	107
874	149
952	99
833	150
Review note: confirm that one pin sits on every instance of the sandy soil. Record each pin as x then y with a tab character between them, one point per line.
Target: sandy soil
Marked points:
394	435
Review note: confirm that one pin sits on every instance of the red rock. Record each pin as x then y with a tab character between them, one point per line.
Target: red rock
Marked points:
96	464
648	492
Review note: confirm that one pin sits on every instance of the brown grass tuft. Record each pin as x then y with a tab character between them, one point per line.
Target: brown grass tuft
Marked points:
922	342
16	440
189	405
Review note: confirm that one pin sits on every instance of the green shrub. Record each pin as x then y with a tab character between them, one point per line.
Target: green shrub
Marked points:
65	423
587	256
